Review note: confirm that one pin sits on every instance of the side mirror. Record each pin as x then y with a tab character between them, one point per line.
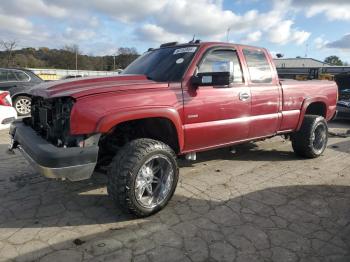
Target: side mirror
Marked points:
212	79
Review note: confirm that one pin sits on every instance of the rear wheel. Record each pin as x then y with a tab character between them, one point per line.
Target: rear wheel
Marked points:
22	104
311	140
143	176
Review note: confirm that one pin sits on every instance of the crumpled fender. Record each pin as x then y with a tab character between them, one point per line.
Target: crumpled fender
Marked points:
110	120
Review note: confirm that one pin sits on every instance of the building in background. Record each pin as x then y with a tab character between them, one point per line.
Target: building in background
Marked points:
299	63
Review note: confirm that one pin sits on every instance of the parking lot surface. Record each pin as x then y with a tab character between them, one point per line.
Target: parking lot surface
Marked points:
259	203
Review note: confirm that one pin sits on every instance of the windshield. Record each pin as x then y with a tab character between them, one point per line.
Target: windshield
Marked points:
164	64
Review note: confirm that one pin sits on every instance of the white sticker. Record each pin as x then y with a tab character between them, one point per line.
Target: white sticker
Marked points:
180	60
190	49
207	79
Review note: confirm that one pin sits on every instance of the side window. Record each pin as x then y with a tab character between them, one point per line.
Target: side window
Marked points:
3	75
11	76
258	66
222	61
21	76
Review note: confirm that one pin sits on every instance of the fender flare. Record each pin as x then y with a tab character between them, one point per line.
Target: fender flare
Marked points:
109	121
305	105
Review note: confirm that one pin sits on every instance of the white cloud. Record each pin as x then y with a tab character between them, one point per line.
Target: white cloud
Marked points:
300	37
208	20
33	7
333	10
154	33
153	20
126	10
253	37
74	34
283	33
280	33
201	17
15	25
320	42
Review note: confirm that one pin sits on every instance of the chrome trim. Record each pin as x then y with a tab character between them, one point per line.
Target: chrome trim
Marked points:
72	173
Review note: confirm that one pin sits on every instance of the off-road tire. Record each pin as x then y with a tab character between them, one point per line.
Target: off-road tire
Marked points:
125	167
302	141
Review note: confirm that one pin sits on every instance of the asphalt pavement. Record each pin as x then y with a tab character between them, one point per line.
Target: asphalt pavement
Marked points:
260	203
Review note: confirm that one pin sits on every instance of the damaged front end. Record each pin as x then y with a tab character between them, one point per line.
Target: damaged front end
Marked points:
50	119
46	142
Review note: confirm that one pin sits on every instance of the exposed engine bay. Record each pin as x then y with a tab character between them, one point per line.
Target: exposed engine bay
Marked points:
51	120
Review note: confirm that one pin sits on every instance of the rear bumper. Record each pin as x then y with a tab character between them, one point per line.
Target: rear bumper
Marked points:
73	163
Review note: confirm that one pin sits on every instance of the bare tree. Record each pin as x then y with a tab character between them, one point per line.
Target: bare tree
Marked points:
9	46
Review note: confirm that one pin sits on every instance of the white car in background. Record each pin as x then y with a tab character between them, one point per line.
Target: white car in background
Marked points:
7	112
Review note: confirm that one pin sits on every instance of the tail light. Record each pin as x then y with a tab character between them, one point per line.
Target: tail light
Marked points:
5	99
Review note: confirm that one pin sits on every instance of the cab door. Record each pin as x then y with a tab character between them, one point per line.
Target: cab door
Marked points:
265	93
217	115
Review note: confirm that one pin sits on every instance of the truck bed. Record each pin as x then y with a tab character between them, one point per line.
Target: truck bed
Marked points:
295	92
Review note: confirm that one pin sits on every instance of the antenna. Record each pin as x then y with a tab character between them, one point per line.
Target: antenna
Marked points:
192	41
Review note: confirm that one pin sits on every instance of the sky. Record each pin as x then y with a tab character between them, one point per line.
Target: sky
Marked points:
312	28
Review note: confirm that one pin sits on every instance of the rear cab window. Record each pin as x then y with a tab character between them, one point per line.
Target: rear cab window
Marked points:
258	66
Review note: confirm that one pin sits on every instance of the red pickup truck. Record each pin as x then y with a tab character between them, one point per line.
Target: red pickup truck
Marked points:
178	99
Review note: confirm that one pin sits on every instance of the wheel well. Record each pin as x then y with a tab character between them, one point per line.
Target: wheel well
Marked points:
17	95
161	129
316	108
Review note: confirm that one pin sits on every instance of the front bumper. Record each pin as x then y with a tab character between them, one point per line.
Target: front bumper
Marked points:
73	163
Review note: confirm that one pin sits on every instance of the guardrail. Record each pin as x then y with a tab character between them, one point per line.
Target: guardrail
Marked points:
55	74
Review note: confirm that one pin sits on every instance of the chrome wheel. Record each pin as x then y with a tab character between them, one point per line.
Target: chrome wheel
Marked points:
23	105
154	181
319	137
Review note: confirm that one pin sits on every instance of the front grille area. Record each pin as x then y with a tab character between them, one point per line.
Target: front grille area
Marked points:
51	119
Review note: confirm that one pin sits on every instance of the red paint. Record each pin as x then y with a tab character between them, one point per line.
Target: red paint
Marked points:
204	118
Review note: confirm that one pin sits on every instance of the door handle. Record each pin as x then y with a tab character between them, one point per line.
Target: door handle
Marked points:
243	96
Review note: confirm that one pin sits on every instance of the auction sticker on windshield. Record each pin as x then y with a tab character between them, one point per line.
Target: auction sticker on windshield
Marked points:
190	49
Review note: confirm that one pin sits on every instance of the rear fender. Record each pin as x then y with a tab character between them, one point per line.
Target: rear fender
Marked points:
305	105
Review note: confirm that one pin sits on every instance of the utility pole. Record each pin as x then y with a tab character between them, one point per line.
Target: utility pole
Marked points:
306	49
114	62
76	62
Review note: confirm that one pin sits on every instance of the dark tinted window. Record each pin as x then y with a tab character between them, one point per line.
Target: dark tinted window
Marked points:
21	76
164	64
222	61
258	66
11	76
3	75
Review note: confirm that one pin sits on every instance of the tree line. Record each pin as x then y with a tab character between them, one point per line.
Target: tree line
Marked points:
335	60
67	57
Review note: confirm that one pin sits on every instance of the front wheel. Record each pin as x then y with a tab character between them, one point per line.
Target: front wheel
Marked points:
311	140
22	104
143	176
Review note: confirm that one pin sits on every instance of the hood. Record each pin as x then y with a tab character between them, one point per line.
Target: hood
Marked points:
89	86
